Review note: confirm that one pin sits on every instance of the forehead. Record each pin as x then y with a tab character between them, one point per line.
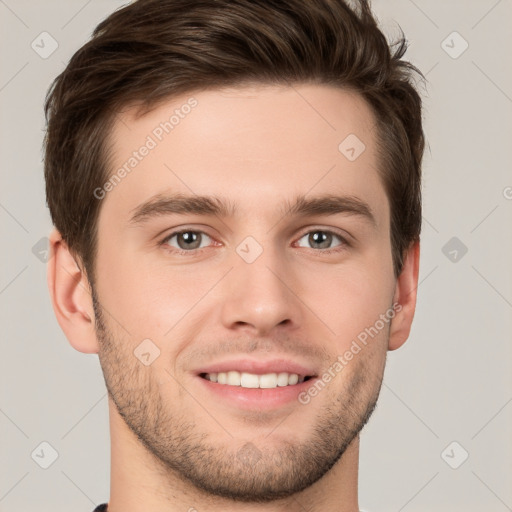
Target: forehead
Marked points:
258	146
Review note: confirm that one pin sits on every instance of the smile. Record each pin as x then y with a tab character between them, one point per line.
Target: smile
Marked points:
253	380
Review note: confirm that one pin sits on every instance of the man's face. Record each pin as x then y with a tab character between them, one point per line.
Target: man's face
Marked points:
263	286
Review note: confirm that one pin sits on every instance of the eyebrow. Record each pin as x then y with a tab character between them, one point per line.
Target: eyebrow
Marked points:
301	206
182	204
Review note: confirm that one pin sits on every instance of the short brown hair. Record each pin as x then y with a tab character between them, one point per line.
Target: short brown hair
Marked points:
153	50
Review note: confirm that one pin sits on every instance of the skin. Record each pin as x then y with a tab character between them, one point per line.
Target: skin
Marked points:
176	446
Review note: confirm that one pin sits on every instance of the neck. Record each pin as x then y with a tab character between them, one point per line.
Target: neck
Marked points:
140	483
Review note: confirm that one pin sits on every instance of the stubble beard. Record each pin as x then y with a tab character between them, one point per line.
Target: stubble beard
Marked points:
252	472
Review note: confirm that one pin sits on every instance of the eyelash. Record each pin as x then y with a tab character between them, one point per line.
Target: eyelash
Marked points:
343	241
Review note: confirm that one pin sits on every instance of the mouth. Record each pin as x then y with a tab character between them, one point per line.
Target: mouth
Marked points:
254	380
250	384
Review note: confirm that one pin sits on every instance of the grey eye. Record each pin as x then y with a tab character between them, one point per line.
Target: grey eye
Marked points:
320	239
188	240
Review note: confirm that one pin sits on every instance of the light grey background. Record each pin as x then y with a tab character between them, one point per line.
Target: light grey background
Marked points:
450	382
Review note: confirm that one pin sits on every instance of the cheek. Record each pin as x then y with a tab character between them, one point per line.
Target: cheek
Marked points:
136	296
149	298
350	300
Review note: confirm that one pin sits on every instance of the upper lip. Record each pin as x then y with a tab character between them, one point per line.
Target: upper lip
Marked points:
258	367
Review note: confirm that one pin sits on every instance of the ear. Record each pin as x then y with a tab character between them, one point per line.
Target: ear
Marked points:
71	298
405	298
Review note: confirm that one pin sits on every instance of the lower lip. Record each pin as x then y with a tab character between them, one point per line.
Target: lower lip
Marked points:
258	398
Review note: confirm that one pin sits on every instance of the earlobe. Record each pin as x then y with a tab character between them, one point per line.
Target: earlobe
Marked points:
71	296
405	298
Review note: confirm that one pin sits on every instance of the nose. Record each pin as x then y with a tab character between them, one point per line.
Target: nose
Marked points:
259	296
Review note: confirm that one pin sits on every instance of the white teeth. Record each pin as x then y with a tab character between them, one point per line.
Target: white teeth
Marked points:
282	379
248	380
252	380
293	379
269	380
233	379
